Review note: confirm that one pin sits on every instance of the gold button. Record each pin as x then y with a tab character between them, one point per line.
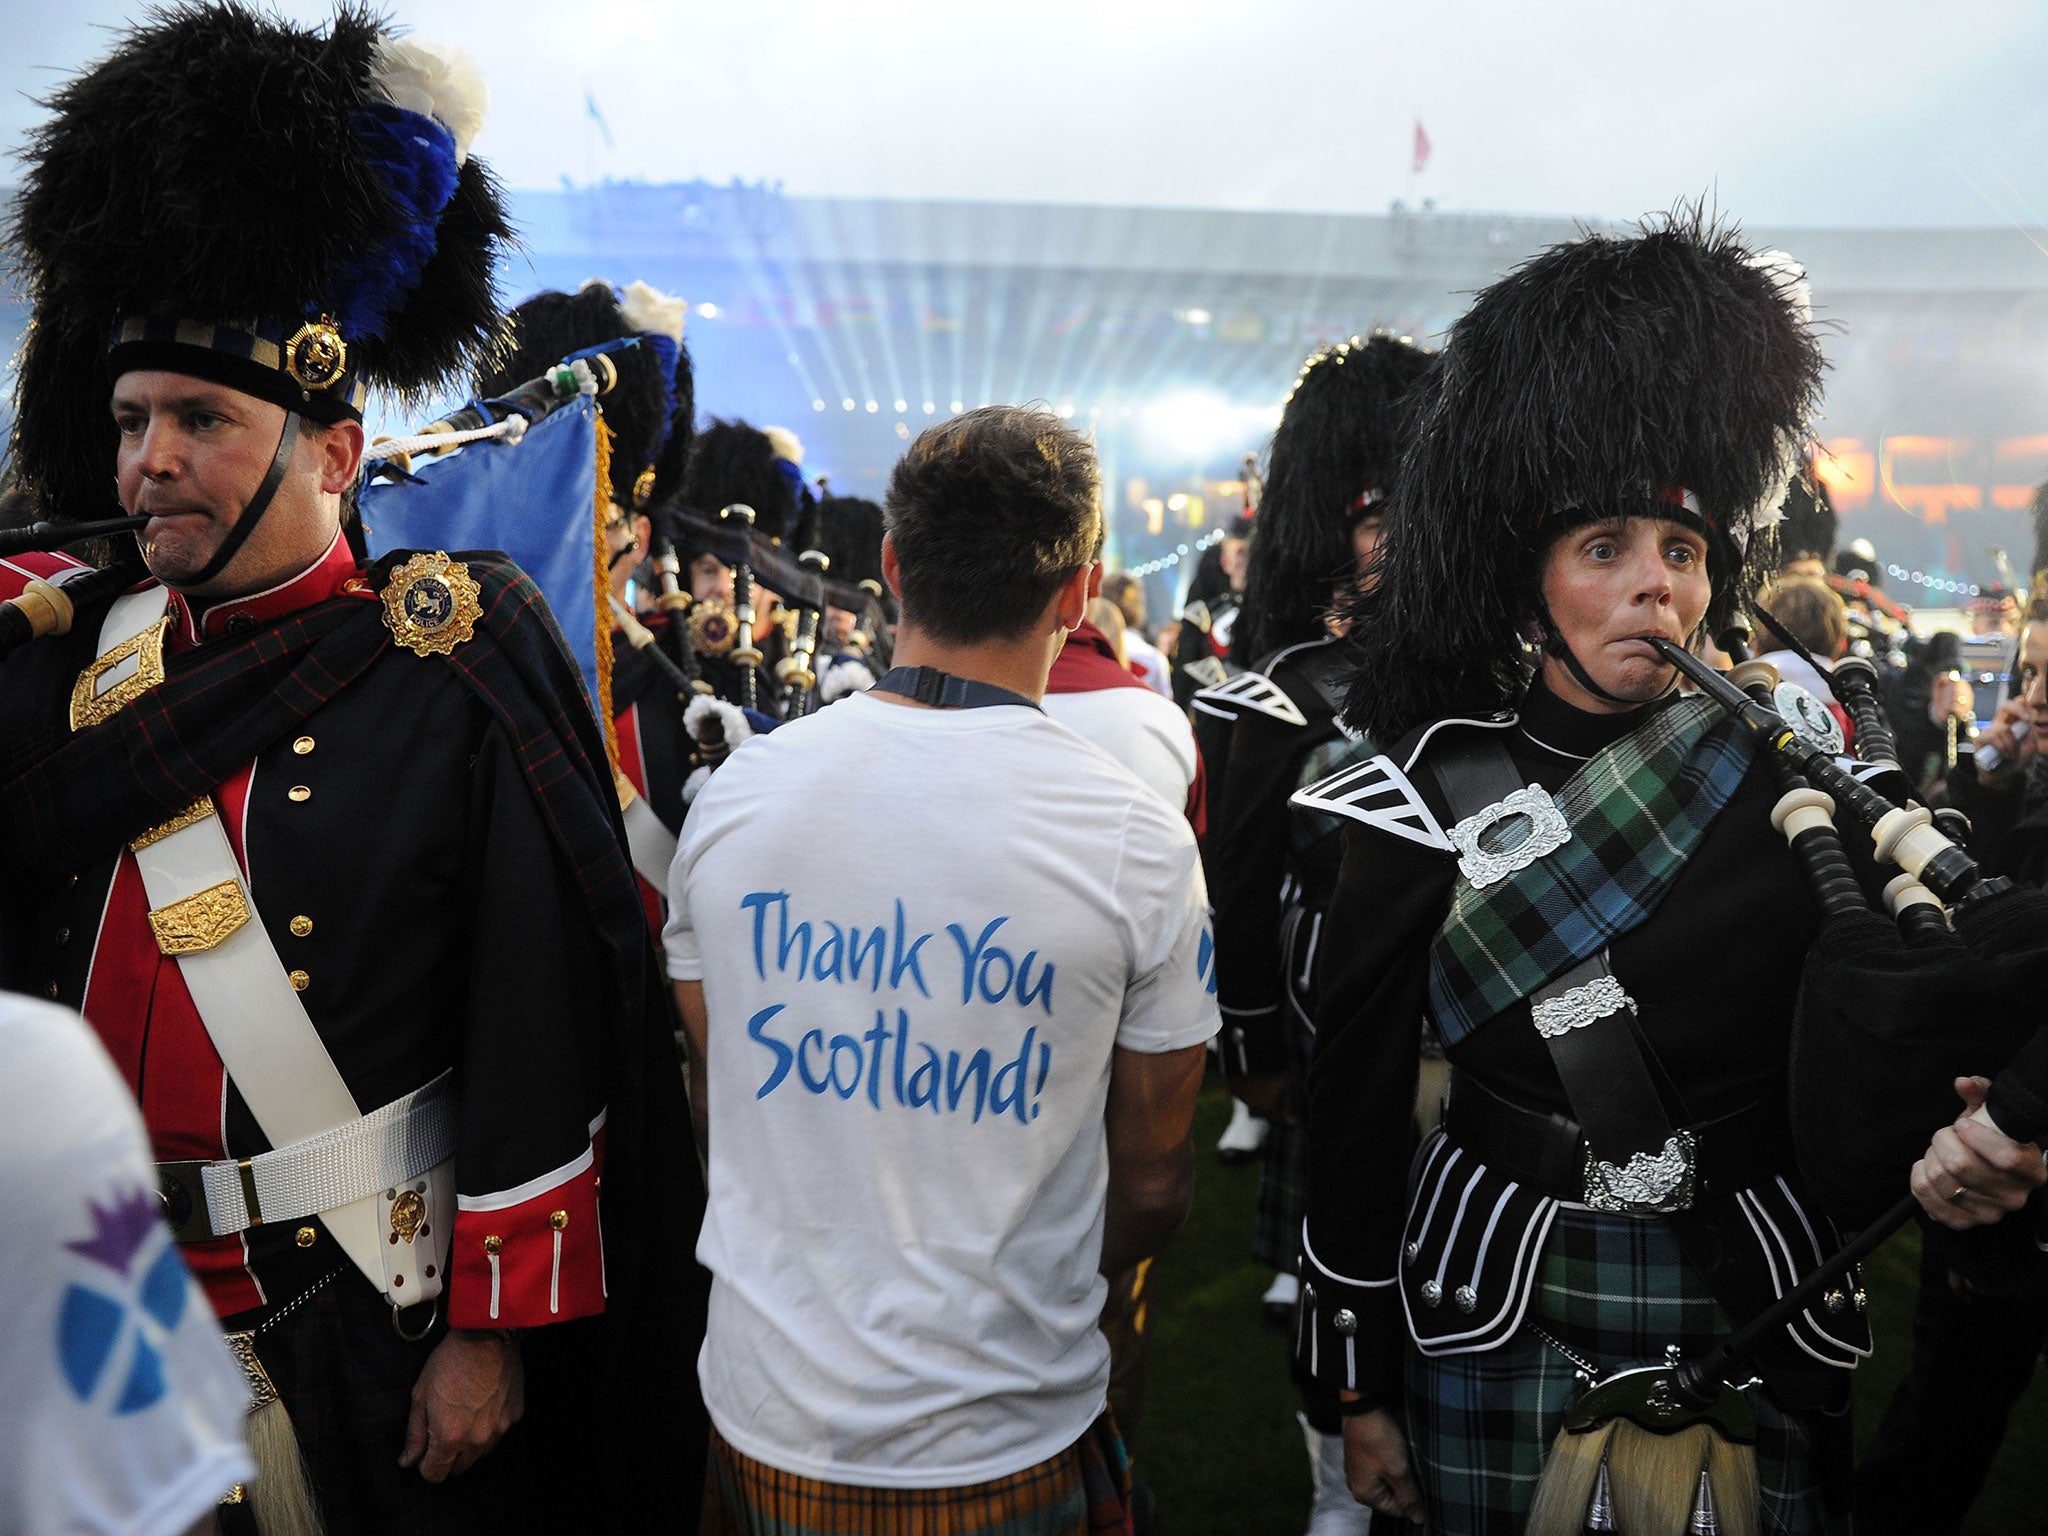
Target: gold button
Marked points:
303	745
301	926
493	1245
51	991
559	1220
306	1237
300	981
63	937
298	792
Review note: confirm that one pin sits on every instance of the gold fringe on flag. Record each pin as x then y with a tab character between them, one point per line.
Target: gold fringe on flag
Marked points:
603	589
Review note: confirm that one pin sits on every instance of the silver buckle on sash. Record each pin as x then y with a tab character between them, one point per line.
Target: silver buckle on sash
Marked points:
1647	1185
1579	1006
1546	833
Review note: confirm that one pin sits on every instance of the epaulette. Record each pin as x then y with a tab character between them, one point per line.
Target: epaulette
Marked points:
1209	671
1377	793
1252	691
1197	614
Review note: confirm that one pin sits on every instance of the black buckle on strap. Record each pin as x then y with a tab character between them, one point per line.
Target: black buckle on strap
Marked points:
182	1189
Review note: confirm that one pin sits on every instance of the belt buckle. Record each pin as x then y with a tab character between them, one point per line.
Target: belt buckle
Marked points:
1648	1184
182	1189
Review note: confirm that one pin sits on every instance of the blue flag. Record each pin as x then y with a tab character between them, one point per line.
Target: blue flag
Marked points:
596	115
535	499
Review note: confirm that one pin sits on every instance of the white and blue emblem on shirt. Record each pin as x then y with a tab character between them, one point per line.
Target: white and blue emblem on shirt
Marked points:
132	1292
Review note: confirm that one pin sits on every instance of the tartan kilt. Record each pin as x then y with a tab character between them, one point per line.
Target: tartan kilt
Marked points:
1083	1491
1614	1290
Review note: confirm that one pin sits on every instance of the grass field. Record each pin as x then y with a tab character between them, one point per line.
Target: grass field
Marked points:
1218	1443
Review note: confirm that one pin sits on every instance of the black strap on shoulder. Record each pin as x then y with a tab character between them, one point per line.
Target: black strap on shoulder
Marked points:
1604	1063
287	441
942	690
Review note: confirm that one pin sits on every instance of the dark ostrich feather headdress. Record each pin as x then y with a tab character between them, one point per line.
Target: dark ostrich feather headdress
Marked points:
1333	460
733	461
1671	373
850	536
292	213
1810	527
641	331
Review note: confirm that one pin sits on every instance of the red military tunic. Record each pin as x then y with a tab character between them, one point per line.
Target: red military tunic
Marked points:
526	1246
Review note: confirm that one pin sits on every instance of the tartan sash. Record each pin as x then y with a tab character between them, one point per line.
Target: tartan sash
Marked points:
1636	810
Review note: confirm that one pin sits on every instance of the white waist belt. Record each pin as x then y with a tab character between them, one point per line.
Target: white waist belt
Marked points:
387	1147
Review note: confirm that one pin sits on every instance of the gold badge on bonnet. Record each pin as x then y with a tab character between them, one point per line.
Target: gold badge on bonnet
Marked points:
430	604
316	355
714	629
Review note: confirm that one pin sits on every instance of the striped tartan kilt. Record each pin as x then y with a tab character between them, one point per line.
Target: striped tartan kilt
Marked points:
1083	1491
1615	1291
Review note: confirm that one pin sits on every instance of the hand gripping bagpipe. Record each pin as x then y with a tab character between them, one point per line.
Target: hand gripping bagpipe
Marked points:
1881	1030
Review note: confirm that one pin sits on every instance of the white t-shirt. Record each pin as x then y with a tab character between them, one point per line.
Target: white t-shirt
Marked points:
920	933
1149	662
120	1408
1148	734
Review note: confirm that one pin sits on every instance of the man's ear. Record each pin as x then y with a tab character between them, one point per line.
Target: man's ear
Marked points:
1071	606
892	566
1095	581
341	456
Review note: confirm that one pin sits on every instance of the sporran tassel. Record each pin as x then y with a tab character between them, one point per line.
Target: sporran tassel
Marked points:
1601	1516
1703	1522
1574	1481
281	1499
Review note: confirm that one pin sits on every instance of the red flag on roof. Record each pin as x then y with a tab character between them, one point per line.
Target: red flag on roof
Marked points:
1421	146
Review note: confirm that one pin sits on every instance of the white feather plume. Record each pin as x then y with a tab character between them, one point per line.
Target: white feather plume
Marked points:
785	443
436	80
693	786
1788	276
651	312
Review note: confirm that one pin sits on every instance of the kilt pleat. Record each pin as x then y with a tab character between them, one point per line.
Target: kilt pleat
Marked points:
1615	1291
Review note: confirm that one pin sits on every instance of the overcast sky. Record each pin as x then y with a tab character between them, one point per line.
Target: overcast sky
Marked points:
1832	112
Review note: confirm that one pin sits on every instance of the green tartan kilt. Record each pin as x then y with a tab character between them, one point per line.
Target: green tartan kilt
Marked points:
1614	1290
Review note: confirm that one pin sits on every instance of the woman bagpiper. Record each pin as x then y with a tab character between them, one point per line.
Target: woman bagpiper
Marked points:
1271	869
1573	876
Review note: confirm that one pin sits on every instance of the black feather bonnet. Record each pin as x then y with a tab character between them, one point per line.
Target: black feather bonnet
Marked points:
1669	373
850	536
1333	460
734	461
1811	526
289	212
640	331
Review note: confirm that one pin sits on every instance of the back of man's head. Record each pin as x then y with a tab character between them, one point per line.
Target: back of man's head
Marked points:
991	513
1811	610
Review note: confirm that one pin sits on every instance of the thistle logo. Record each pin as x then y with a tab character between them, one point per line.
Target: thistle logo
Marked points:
1205	963
113	1319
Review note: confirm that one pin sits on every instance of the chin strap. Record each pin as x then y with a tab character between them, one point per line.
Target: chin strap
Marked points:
1554	644
287	441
